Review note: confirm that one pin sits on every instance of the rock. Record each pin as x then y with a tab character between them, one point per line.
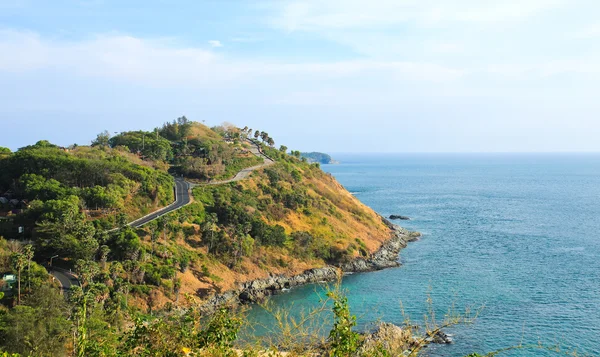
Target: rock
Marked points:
441	338
388	336
258	290
402	218
385	257
414	236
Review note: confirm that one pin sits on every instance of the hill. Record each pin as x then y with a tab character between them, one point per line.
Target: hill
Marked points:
74	203
319	157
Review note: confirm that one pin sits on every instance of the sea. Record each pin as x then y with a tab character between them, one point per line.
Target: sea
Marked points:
512	238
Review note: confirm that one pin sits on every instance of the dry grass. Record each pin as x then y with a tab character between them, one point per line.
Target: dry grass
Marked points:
203	132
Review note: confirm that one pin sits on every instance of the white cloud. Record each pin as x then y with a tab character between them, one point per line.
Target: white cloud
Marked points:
164	64
22	51
105	56
592	31
246	39
549	68
215	43
160	62
456	33
446	48
317	15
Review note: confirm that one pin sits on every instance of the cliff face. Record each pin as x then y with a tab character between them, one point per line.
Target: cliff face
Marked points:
257	290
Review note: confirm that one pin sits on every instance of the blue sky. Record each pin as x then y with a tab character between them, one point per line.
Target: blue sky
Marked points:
333	76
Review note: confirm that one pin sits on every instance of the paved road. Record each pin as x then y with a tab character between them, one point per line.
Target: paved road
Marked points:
182	188
65	278
182	198
247	171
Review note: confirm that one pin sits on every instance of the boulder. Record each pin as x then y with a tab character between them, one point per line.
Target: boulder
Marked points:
399	217
441	338
388	336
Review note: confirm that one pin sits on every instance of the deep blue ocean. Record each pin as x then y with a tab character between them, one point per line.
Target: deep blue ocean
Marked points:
516	233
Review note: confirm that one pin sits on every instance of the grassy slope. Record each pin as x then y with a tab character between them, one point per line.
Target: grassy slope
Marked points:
136	204
336	216
292	194
329	213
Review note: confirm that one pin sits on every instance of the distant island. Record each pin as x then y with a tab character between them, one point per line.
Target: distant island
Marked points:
319	157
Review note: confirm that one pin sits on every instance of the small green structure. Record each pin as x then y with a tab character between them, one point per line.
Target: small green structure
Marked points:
8	280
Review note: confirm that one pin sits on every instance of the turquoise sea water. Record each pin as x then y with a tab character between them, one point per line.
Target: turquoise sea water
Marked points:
517	233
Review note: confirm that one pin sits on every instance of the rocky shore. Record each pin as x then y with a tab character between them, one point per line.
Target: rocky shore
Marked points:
257	290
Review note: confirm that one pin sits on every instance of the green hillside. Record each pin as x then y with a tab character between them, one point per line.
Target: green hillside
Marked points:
284	218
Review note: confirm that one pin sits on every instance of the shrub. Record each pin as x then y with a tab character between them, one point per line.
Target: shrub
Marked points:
343	341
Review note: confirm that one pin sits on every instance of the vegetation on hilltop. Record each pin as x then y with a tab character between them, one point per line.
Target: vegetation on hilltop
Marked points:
319	157
285	218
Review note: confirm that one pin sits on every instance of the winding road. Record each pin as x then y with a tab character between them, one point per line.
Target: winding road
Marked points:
182	198
65	278
182	188
243	174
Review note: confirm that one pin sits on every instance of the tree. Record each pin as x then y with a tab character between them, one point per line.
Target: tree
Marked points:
38	327
270	141
37	187
256	134
28	253
283	148
127	243
91	328
18	262
162	225
104	251
102	139
264	136
63	230
4	152
208	231
154	237
86	270
184	126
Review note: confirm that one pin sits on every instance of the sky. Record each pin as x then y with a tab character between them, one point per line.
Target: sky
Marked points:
332	76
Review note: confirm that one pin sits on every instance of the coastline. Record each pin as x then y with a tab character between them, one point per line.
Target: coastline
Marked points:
258	290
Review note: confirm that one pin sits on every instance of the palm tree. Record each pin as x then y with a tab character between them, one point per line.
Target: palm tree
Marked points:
162	226
153	238
256	134
104	250
18	262
86	270
28	253
208	231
